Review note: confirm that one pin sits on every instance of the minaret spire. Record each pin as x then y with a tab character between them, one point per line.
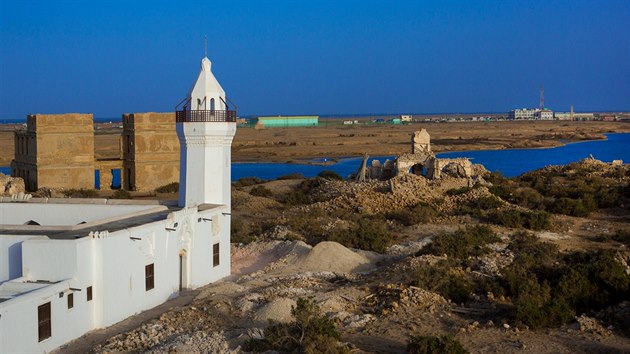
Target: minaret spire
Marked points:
206	47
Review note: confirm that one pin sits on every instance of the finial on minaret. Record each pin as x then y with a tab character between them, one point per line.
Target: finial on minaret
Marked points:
206	47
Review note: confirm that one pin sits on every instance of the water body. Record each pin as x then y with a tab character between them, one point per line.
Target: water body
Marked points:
515	162
509	162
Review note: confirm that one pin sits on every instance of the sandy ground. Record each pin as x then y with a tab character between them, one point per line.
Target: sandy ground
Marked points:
290	144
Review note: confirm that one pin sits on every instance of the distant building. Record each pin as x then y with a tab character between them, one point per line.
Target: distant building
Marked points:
285	121
531	114
55	150
576	116
522	114
406	118
544	114
150	151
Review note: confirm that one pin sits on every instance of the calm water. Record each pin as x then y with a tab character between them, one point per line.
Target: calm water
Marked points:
509	162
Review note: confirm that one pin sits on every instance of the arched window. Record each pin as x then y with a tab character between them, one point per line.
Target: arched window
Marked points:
212	104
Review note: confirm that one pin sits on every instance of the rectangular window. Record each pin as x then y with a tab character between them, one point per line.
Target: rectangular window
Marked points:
43	321
215	255
70	301
149	281
89	293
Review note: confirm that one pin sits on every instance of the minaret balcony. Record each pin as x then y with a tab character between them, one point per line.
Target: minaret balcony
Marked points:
205	116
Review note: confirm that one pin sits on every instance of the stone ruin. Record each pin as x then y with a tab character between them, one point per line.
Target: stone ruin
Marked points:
11	186
421	161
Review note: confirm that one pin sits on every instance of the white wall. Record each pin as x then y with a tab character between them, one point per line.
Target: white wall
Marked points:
114	265
11	256
63	214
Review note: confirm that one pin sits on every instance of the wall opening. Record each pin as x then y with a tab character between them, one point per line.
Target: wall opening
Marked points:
44	329
183	270
116	178
97	179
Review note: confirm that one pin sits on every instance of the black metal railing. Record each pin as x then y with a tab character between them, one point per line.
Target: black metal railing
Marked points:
205	116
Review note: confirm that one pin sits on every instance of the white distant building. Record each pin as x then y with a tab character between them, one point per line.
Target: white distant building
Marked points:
531	114
544	114
406	118
522	114
68	266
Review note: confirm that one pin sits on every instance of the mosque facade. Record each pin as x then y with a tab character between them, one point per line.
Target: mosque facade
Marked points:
69	266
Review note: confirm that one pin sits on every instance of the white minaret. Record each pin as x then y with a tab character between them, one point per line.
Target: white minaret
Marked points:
205	128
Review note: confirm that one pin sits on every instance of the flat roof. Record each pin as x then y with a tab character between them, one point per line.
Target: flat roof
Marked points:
80	231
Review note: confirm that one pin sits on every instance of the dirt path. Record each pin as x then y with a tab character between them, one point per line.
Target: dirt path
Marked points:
85	343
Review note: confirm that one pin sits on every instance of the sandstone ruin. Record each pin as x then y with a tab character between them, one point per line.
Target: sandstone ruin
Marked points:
421	161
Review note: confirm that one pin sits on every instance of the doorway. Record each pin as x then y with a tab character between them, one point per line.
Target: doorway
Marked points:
183	270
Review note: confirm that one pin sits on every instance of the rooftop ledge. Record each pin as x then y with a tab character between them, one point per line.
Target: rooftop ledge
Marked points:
205	116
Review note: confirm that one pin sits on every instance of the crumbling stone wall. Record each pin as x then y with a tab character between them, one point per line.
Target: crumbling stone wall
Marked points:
420	142
421	161
56	151
150	151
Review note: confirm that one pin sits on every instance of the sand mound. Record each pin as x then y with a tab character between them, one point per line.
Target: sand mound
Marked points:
333	257
278	310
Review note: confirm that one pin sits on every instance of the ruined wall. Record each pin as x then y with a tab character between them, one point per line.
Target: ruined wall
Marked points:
420	142
150	150
105	167
56	151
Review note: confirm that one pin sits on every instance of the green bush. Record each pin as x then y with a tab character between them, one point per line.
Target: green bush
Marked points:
241	232
80	193
248	181
332	175
549	288
310	332
419	213
513	218
622	236
261	191
446	344
295	175
369	234
462	243
120	194
302	192
458	191
169	188
444	279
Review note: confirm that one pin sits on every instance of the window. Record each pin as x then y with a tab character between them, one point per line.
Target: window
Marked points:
43	321
215	255
149	282
89	293
70	301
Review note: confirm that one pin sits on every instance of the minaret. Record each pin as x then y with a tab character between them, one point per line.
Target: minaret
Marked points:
205	128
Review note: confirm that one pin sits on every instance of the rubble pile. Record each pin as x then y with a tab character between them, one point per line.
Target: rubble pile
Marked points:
11	185
392	298
374	197
188	326
591	325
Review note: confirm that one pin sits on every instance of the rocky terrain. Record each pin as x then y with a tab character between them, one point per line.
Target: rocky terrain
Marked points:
468	259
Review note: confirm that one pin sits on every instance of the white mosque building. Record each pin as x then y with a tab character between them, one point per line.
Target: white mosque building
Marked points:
68	266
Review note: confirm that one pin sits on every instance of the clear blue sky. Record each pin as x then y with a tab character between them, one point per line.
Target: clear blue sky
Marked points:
322	57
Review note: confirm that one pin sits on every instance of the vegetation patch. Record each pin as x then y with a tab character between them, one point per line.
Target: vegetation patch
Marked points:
169	188
261	191
369	234
462	243
419	213
80	193
309	332
446	344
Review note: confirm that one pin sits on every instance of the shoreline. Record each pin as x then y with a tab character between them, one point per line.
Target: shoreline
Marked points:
305	160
